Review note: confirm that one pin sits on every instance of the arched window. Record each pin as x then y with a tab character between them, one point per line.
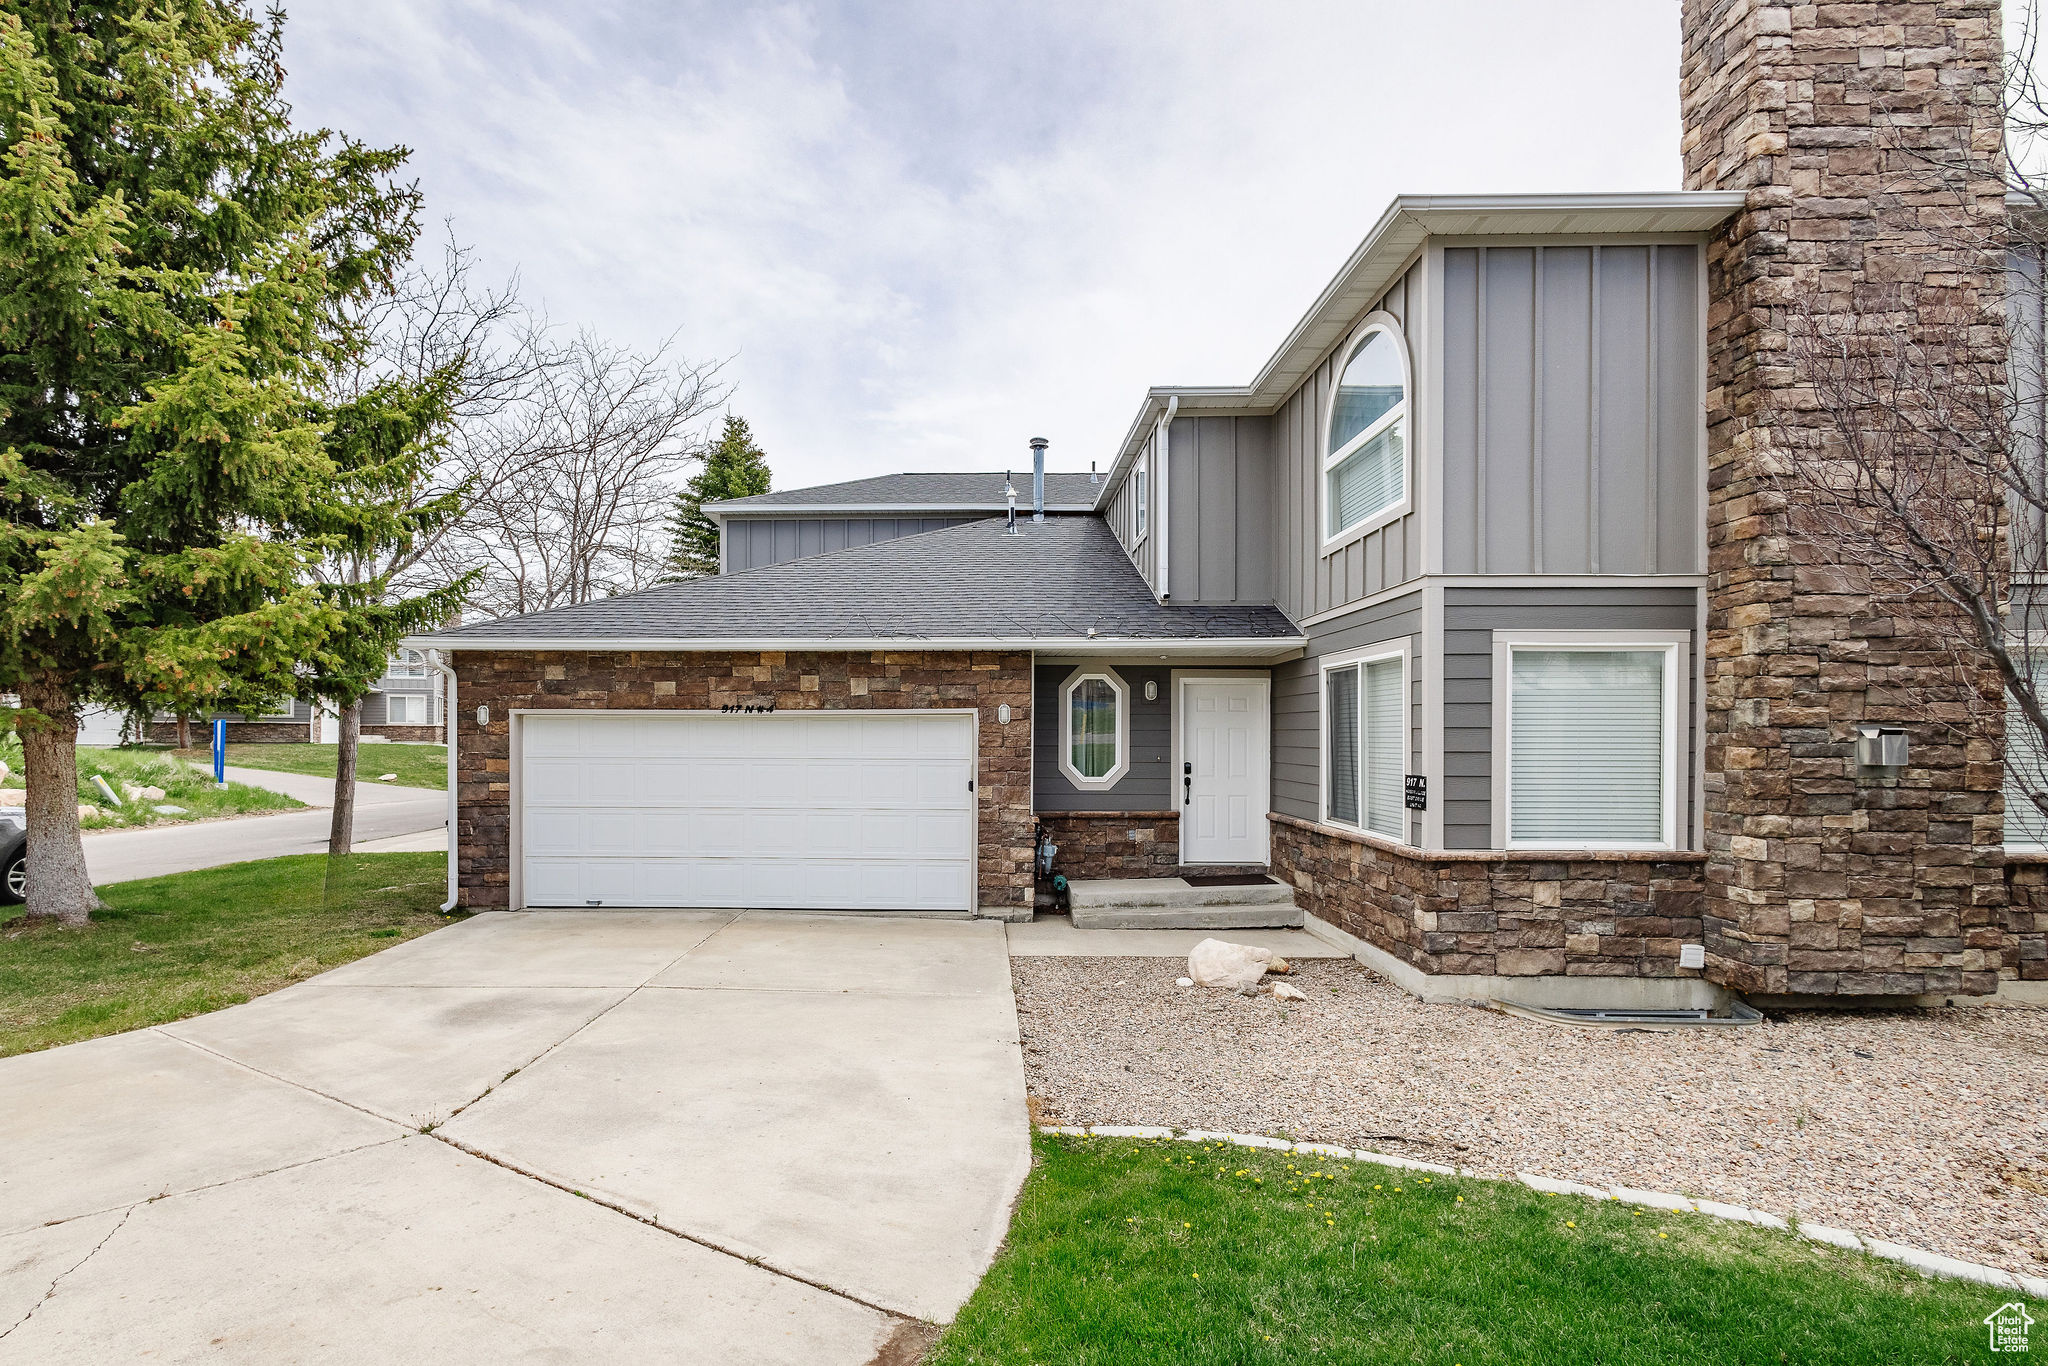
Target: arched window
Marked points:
408	664
1094	728
1365	470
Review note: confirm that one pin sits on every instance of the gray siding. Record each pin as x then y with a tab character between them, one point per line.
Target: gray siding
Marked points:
1305	581
1217	500
1471	616
1297	702
1122	515
752	542
1572	434
1145	787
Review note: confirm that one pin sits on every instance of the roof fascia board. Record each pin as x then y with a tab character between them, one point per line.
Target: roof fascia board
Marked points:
876	509
1235	646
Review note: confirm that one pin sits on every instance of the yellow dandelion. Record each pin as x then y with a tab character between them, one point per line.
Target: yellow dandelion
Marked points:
1569	1224
1663	1235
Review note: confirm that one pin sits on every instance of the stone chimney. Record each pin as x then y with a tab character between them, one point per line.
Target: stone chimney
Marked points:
1819	884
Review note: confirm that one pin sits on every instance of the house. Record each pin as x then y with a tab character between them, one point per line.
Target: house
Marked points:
1470	616
405	704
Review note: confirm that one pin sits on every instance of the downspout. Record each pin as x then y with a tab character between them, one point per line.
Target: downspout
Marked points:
1164	529
448	720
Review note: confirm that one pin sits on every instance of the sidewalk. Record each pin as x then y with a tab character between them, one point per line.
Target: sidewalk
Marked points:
388	820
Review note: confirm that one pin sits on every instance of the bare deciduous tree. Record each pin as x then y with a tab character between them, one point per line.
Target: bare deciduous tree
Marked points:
572	480
436	354
1930	493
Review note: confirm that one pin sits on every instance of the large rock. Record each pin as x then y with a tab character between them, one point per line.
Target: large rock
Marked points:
1237	967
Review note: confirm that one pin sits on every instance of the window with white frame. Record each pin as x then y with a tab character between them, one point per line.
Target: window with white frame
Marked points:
1140	489
1365	742
1365	468
1094	727
1592	740
2026	769
408	664
405	709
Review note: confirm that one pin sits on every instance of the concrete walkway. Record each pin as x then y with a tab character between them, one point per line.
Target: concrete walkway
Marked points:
565	1136
388	819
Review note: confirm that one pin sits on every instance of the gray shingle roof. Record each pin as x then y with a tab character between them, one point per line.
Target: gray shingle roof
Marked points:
1056	580
966	492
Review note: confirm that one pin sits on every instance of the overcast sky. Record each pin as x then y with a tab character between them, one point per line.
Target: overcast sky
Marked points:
923	232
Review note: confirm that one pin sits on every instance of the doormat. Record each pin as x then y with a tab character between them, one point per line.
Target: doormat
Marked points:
1226	879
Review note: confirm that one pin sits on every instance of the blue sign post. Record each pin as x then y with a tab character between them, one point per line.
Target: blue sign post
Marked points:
220	753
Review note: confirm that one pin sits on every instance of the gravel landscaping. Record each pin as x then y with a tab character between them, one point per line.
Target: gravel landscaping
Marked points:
1928	1128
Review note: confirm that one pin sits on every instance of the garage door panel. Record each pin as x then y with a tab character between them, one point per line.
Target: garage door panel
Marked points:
836	834
832	782
937	782
721	834
769	736
888	783
770	780
844	810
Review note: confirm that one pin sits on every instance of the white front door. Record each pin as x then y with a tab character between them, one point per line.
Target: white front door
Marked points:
821	810
1225	734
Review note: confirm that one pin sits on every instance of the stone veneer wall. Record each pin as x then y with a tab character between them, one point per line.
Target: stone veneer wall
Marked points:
1101	844
427	734
791	681
2023	948
239	732
1507	915
1817	884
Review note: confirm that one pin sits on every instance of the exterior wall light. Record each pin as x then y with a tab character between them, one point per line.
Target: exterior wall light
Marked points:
1151	690
1003	714
1880	751
483	716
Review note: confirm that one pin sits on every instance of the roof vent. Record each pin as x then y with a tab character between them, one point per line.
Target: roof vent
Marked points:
1038	445
1093	477
1010	493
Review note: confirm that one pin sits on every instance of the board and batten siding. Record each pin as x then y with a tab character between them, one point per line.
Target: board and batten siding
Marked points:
1218	502
1305	581
1471	616
754	542
1146	786
1297	702
1572	429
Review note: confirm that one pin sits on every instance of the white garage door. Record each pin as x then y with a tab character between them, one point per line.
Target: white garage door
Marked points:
816	810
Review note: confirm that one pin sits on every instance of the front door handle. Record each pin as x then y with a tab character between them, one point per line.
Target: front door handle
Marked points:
1187	784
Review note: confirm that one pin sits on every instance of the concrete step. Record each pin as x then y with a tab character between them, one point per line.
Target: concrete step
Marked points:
1168	903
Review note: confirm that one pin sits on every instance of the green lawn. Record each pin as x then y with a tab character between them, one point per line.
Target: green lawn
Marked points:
415	765
183	786
1136	1252
169	947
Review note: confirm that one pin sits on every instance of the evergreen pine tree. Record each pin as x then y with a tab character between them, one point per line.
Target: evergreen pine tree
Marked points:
734	468
173	255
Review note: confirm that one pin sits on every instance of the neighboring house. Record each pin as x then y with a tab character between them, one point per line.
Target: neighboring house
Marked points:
405	704
1451	618
773	528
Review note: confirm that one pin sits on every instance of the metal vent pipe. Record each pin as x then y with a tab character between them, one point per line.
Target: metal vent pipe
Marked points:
1038	445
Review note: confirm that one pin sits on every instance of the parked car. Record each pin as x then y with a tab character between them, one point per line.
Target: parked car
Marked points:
13	855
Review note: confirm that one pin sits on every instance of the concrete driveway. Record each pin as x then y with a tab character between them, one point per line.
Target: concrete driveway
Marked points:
559	1136
388	819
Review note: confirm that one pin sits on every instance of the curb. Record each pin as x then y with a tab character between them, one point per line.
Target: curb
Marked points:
1926	1263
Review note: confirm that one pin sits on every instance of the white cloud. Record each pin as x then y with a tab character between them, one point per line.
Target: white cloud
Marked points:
926	232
